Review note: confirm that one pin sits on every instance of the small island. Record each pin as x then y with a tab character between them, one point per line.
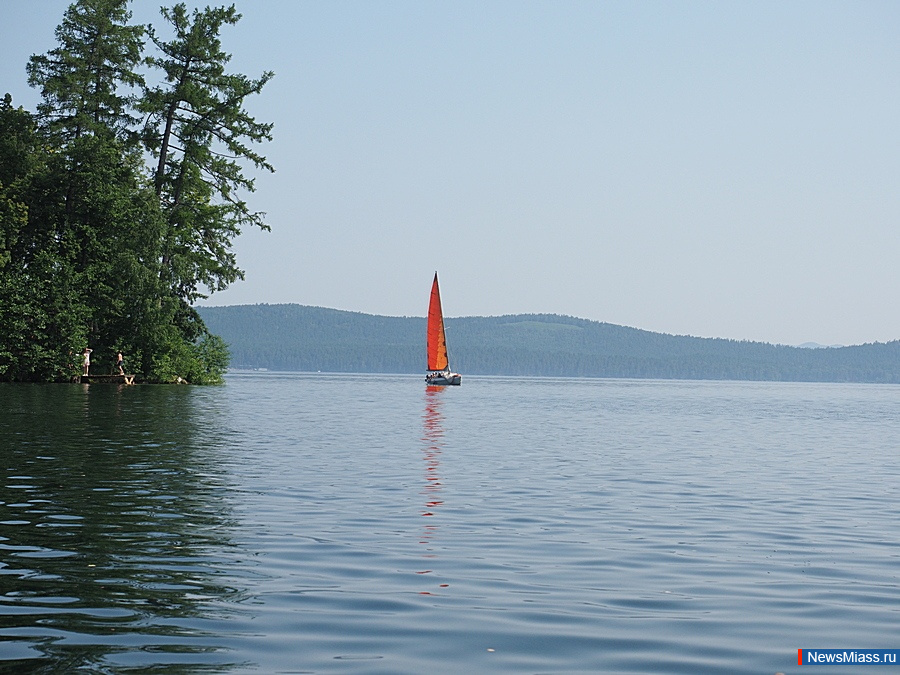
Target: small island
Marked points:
120	196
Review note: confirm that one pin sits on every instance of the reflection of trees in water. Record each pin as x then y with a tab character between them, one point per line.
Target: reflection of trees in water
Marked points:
433	437
114	525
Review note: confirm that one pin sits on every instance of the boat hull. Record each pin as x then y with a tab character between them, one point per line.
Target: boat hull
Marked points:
443	379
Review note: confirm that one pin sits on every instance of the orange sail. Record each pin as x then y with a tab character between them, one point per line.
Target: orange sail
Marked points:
437	341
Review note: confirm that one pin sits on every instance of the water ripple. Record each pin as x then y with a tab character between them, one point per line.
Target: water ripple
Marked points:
313	523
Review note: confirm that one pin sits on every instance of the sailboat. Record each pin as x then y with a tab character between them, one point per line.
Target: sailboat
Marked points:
438	363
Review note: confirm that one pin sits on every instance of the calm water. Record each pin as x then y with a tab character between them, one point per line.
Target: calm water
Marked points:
290	523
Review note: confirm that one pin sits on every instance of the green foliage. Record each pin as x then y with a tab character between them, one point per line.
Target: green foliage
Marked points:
198	108
98	249
80	78
294	337
210	359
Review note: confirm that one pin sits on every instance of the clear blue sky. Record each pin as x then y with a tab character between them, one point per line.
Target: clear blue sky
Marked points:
720	169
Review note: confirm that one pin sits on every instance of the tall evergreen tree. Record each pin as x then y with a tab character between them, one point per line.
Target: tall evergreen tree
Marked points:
95	213
199	132
82	80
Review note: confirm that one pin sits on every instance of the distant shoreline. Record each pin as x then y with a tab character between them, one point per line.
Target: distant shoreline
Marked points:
300	338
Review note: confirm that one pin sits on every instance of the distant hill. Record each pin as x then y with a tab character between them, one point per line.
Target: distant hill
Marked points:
302	338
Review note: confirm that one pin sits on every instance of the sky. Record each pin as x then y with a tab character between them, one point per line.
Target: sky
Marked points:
716	169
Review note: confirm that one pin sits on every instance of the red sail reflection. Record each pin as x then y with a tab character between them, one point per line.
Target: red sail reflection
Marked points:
433	439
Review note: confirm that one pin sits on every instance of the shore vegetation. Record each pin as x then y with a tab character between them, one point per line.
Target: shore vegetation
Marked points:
121	195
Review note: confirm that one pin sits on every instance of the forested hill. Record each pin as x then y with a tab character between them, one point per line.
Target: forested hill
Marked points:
302	338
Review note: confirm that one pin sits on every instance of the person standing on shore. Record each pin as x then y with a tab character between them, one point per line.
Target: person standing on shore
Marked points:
120	363
87	361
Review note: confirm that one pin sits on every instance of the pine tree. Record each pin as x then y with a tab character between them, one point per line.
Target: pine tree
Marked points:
199	132
100	223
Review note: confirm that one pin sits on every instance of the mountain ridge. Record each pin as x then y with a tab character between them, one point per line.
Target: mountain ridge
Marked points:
297	337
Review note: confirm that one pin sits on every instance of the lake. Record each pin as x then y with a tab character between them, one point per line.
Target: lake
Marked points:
317	523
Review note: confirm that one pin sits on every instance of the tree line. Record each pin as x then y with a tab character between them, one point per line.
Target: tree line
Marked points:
300	338
121	194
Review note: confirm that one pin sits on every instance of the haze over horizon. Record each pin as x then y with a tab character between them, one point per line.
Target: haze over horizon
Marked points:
696	168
